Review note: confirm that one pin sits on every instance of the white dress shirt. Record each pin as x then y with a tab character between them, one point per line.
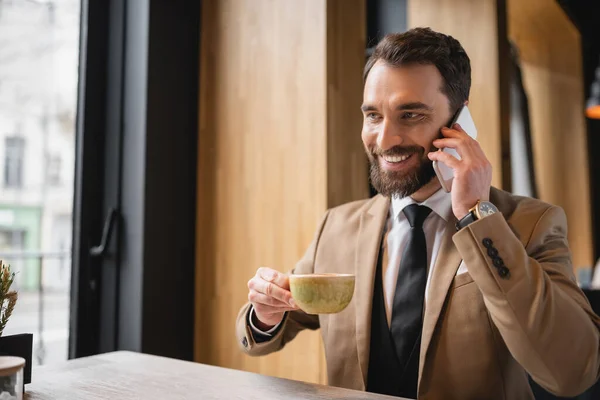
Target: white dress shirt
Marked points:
395	239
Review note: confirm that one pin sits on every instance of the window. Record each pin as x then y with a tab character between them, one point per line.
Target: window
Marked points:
39	64
13	240
14	153
53	170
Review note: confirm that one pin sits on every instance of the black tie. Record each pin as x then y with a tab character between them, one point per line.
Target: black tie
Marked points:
407	309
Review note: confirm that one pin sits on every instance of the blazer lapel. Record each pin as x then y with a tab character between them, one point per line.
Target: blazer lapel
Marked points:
446	265
368	245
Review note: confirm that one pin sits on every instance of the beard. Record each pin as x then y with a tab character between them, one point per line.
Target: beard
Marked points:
400	183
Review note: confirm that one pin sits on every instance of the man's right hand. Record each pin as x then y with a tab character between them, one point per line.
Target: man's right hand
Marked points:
271	297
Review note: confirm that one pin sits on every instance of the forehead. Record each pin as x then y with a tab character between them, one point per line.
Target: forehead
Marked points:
407	83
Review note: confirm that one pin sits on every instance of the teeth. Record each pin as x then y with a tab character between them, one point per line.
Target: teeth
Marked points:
395	159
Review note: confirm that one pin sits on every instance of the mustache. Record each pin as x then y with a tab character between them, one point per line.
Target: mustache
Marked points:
397	151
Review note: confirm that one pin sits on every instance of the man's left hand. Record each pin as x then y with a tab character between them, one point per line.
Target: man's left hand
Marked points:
472	173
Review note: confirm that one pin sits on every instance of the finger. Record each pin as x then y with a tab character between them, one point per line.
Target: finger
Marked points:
453	143
270	289
270	275
446	158
260	298
466	150
265	310
459	128
455	132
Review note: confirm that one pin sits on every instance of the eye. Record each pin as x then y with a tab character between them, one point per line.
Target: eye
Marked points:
371	116
411	116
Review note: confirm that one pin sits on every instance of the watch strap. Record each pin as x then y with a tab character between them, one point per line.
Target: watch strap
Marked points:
466	220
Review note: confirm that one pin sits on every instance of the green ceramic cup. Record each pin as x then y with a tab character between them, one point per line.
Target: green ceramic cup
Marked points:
322	293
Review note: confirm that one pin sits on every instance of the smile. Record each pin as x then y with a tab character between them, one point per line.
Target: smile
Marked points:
395	163
395	159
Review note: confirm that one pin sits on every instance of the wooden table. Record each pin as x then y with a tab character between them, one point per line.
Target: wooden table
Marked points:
126	375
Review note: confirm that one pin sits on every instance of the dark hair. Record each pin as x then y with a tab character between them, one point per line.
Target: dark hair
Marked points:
425	46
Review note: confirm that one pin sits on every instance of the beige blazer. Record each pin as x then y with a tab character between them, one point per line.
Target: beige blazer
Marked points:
482	334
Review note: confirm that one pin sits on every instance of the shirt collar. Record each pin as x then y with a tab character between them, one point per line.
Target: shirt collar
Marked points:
440	203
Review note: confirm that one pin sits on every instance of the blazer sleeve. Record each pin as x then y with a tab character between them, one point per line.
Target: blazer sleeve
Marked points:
543	317
293	322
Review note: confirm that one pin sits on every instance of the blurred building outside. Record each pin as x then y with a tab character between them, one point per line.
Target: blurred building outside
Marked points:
39	52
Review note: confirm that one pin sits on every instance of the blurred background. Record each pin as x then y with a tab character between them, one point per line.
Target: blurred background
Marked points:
154	154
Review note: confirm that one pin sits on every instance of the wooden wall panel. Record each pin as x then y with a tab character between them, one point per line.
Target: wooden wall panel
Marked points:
550	51
346	44
277	147
475	25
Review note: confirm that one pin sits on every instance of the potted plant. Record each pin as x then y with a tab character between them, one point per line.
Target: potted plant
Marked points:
20	345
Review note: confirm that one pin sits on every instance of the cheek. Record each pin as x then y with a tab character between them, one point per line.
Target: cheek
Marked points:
425	144
424	137
368	135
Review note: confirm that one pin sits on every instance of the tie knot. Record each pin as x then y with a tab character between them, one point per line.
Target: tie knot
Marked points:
416	214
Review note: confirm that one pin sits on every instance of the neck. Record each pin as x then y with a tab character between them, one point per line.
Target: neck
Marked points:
426	191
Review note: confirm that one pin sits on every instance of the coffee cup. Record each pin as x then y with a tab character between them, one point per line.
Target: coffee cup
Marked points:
322	293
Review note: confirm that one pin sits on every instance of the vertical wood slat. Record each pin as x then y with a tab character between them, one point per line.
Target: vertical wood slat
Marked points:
550	53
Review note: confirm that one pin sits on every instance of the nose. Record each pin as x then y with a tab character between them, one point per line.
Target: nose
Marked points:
388	136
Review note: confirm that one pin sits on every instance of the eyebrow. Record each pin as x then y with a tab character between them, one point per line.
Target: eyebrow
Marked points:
415	105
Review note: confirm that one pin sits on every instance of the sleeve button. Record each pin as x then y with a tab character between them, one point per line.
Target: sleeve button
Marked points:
492	252
487	242
244	342
504	273
498	262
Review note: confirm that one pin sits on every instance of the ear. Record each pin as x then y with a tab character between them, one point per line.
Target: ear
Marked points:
466	102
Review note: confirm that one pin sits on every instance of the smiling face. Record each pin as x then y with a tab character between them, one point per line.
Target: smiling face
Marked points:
403	109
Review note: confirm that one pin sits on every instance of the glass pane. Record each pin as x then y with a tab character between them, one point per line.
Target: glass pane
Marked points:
39	53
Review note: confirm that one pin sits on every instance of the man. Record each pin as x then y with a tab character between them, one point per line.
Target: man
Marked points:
458	295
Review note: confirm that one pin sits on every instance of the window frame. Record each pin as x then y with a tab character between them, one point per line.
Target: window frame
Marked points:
137	129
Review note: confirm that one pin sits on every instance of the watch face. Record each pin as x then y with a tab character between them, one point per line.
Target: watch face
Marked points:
486	208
